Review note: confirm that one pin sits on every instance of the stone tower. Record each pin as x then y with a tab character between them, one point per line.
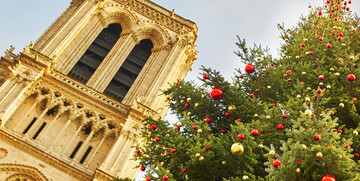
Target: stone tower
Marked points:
71	104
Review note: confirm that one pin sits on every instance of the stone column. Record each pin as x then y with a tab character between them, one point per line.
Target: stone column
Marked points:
110	157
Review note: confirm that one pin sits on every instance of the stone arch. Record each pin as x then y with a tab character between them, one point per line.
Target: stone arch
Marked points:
156	34
22	170
113	14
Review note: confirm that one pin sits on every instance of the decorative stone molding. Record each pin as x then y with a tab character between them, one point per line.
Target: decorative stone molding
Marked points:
3	153
56	163
22	171
101	175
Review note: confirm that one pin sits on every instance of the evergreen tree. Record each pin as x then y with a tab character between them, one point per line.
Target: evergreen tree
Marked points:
292	118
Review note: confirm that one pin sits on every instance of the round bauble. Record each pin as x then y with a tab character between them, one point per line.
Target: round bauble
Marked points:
272	153
142	168
249	68
317	137
308	113
205	76
165	178
237	149
280	127
355	133
197	155
254	132
199	131
319	155
297	170
260	146
341	105
216	93
351	57
241	136
153	127
148	179
276	163
328	178
351	77
245	177
321	77
337	74
303	147
201	158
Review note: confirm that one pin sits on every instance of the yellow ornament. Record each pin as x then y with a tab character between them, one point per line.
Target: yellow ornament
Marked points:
199	131
268	87
268	117
237	149
298	170
303	73
319	155
202	95
231	107
337	74
352	57
188	99
355	133
223	162
181	101
321	84
202	88
201	158
341	105
332	69
328	86
260	146
303	147
256	115
263	70
196	104
305	40
308	113
197	155
272	153
245	177
258	58
297	57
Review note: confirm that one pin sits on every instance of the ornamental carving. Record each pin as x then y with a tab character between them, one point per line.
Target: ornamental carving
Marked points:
22	171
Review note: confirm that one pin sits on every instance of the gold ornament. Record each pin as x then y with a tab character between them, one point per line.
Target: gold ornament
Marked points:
303	147
272	153
321	84
341	105
181	101
355	133
178	124
257	90
263	70
308	113
197	155
196	104
201	158
202	95
308	88
337	74
297	57
237	149
258	58
307	99
199	131
202	88
298	170
268	87
231	107
319	155
256	115
223	162
332	69
188	99
267	117
352	57
189	113
298	96
303	73
305	40
245	177
245	48
261	146
328	87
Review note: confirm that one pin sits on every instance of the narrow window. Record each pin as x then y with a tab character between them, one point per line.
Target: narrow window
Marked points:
76	149
29	126
95	54
39	131
85	155
129	70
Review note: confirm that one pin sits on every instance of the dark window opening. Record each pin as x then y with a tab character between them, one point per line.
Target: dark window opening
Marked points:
95	54
29	126
39	131
52	111
87	128
129	70
85	155
76	149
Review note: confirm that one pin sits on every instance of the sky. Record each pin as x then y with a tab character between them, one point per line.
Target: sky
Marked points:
23	21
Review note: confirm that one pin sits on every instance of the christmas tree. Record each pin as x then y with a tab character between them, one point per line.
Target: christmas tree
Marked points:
291	118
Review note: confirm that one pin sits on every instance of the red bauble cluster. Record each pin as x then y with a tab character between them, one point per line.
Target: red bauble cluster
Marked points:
255	132
276	163
351	77
153	127
328	178
280	127
249	68
216	93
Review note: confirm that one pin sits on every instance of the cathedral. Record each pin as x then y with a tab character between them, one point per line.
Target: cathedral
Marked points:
72	103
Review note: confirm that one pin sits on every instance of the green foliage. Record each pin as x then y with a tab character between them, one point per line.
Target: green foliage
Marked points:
285	99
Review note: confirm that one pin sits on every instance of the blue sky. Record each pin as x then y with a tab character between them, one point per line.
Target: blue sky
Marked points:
219	22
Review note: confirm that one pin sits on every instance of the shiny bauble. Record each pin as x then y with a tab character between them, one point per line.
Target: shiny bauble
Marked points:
237	149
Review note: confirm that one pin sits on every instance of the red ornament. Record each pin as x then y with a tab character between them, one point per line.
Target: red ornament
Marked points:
328	178
173	150
238	120
276	163
329	45
284	116
153	127
349	2
241	76
351	77
187	105
280	127
241	136
194	127
320	39
355	98
205	76
227	114
137	151
301	83
157	139
302	44
319	13
321	77
223	131
249	68
216	93
251	95
339	131
332	113
184	170
316	96
272	64
311	53
255	132
356	155
165	178
273	105
207	119
142	168
298	161
340	38
208	148
289	80
335	18
346	145
177	83
148	179
319	91
317	137
341	34
176	128
330	144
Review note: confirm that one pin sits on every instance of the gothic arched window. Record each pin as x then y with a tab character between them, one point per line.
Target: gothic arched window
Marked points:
96	53
129	70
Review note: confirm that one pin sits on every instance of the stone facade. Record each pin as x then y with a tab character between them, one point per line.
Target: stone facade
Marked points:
56	128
